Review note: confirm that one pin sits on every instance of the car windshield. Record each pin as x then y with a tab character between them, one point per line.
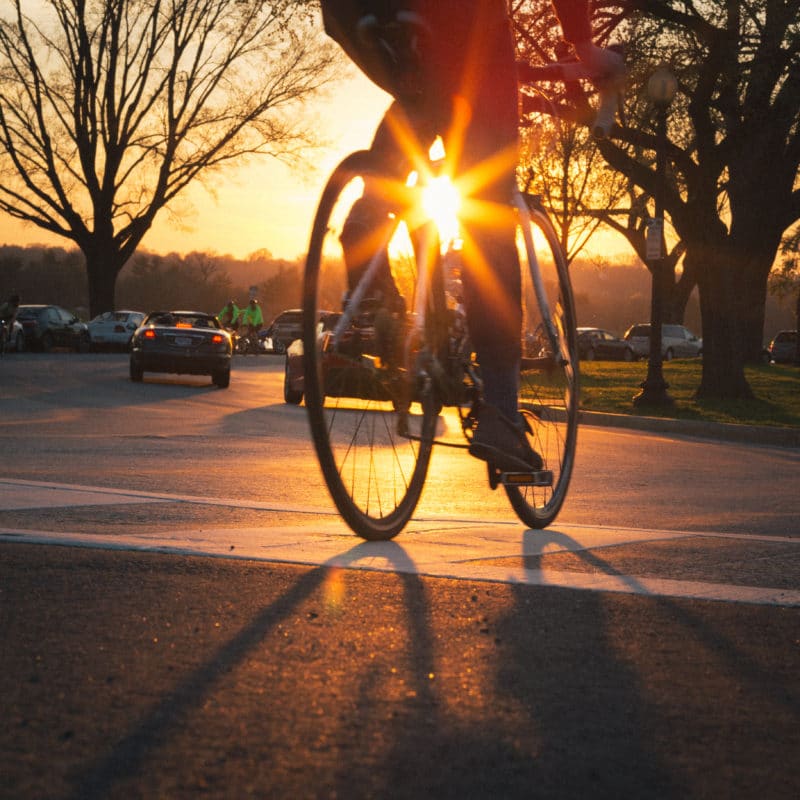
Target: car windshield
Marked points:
174	319
26	313
639	330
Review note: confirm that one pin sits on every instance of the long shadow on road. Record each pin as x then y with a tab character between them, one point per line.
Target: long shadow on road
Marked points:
449	689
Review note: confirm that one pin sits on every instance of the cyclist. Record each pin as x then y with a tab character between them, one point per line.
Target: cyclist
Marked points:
450	66
8	313
251	319
229	315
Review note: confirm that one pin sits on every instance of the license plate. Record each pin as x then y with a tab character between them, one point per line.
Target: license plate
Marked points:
183	341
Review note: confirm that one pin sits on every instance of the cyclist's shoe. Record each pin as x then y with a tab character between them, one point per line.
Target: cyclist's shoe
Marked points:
502	443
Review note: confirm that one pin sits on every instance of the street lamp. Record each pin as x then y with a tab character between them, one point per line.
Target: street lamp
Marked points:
661	89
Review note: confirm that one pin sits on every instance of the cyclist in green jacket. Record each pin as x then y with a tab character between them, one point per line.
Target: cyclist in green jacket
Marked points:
229	315
450	65
251	319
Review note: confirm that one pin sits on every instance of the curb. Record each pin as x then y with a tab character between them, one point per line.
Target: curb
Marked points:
729	432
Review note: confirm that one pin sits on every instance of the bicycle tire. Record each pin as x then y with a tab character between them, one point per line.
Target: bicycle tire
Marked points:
549	383
373	441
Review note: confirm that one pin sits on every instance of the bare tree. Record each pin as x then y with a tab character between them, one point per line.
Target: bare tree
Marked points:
562	163
733	152
109	109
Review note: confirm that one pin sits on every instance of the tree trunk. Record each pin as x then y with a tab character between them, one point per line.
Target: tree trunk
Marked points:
752	299
723	330
102	273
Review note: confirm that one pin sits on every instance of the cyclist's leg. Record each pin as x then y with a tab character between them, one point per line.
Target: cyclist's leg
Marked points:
368	224
483	132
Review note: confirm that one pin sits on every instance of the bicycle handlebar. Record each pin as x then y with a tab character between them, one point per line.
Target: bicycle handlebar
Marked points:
608	87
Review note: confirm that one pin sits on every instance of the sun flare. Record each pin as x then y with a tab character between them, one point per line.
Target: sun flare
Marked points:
441	202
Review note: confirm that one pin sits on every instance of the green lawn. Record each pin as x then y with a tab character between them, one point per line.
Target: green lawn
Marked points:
609	386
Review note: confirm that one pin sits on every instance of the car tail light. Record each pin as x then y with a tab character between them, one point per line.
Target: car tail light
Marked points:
217	338
149	334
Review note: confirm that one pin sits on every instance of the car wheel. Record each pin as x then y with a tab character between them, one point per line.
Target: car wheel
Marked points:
590	354
137	373
222	378
629	355
668	355
290	395
47	342
19	343
84	344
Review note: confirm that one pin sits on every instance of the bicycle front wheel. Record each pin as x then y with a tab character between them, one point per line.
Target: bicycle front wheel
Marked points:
371	421
549	384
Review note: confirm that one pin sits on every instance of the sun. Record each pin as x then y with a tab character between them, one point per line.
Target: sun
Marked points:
441	202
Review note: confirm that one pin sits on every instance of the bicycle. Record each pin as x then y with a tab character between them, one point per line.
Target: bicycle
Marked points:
382	388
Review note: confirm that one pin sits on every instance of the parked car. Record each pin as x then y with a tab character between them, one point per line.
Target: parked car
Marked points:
596	343
47	326
293	380
185	342
283	330
114	329
14	340
783	348
676	341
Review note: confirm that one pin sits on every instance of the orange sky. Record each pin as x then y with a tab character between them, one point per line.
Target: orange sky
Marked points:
263	205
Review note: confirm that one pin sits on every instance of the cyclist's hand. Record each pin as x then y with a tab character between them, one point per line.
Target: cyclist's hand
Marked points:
606	69
605	64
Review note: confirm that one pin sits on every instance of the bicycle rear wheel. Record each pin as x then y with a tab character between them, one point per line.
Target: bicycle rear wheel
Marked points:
549	383
371	420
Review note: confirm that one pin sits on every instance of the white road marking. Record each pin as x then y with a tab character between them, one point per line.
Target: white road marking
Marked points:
443	546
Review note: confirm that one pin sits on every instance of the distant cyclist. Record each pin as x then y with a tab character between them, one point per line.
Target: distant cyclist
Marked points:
8	313
251	319
229	315
450	65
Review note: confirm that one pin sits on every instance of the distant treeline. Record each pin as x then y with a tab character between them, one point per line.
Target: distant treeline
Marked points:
610	297
197	281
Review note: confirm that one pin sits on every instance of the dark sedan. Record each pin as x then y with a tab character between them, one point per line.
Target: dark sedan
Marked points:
596	343
47	327
184	342
783	348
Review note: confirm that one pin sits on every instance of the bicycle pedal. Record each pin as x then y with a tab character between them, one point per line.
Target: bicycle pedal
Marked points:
543	477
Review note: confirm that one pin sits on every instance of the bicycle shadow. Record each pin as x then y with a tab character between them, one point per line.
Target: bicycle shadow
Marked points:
556	708
583	662
129	756
585	704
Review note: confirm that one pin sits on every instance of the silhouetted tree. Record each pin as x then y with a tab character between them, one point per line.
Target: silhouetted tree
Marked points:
733	152
109	109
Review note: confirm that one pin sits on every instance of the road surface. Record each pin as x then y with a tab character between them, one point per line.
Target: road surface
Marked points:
212	629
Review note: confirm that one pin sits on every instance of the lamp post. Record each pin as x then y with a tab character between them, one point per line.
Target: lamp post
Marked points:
661	89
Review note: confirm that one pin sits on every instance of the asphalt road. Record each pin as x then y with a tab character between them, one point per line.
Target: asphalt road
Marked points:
213	630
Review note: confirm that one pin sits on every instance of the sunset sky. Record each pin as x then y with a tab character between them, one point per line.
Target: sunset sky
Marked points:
265	204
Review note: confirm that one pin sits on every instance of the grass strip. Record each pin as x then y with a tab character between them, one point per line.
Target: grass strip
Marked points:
609	387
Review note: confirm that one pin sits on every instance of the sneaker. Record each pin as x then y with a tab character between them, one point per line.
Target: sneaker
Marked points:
502	443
